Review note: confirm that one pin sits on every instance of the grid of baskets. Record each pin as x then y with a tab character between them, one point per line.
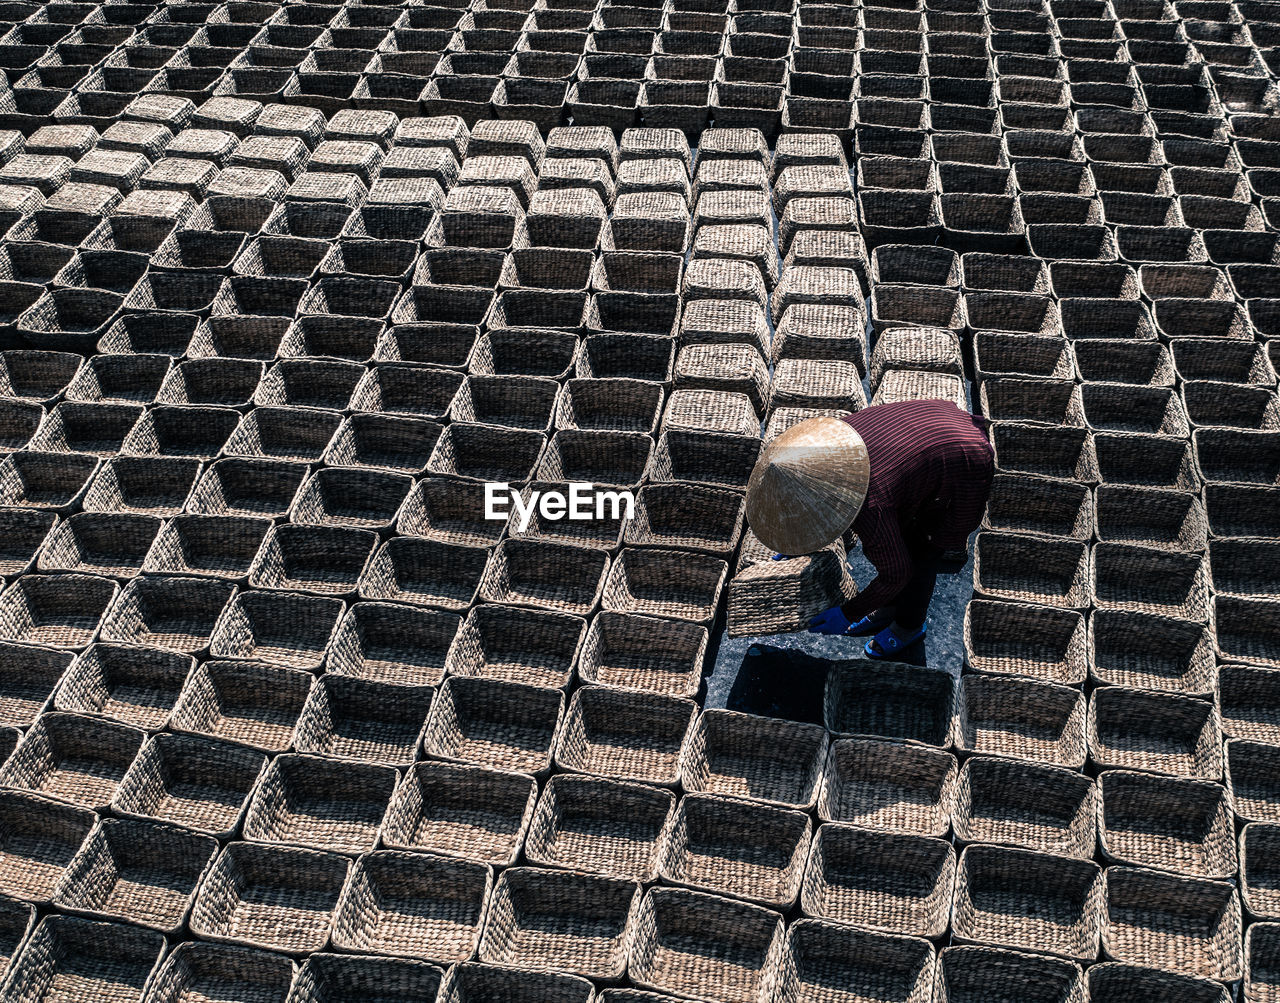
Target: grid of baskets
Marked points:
885	72
284	717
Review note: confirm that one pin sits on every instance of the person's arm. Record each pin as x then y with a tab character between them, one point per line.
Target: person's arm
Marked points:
883	545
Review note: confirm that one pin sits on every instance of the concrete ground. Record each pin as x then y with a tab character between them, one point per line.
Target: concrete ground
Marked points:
782	675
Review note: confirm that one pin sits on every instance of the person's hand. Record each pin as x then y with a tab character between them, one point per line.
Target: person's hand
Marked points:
831	622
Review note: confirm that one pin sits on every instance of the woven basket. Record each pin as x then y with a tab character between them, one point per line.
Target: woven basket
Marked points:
1249	697
463	811
107	961
1251	781
641	652
832	961
687	941
886	882
381	442
484	452
1146	460
593	923
143	872
1052	572
1155	732
314	802
51	481
1050	451
100	429
474	983
211	546
1257	871
596	457
448	510
625	736
233	487
509	352
915	264
779	597
510	725
619	405
1151	652
550	576
1242	568
282	629
1035	401
196	432
425	572
412	904
216	381
97	543
194	969
1029	900
1022	718
1151	518
25	532
132	685
686	516
175	612
1125	577
1170	824
272	897
1260	980
724	321
391	643
72	758
29	677
898	385
625	356
821	331
723	757
18	422
971	973
363	720
714	458
641	581
737	848
603	826
116	379
17	920
41	839
1004	353
196	782
889	700
1028	805
309	383
58	611
359	499
251	703
407	390
1112	982
321	560
888	786
1020	639
1185	925
1041	505
486	646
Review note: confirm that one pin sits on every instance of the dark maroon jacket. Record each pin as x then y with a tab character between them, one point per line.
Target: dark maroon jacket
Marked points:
931	469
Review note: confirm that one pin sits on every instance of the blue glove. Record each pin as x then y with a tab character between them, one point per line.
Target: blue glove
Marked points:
831	622
781	557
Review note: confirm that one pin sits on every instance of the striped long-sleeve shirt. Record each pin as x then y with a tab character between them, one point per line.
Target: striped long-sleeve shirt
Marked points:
931	469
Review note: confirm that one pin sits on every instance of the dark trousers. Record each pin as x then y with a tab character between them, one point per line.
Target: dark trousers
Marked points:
912	604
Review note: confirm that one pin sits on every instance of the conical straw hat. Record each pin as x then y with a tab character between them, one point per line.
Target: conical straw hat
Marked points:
808	486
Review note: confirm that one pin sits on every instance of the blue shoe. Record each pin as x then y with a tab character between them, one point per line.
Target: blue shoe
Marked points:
886	644
871	624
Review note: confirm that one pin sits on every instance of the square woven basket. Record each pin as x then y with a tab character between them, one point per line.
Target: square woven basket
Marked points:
889	786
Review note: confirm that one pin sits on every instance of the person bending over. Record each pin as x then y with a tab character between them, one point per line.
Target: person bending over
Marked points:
910	479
